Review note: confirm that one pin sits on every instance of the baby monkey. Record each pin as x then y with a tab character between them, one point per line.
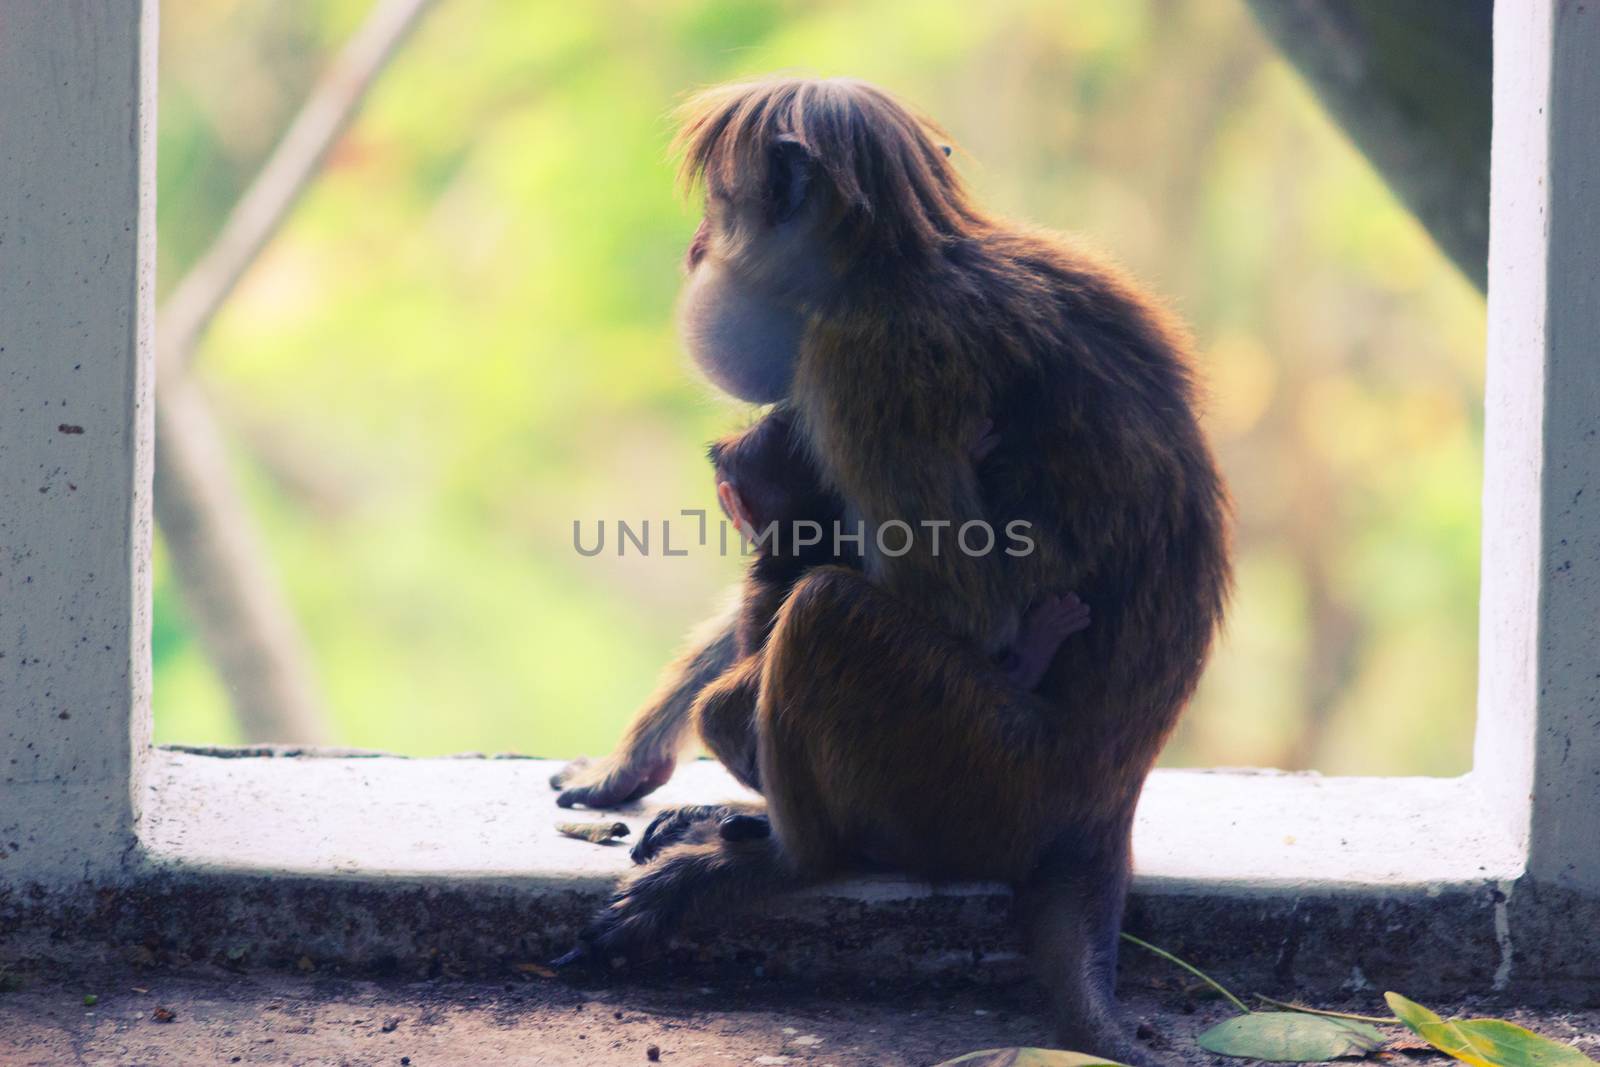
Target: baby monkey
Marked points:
769	487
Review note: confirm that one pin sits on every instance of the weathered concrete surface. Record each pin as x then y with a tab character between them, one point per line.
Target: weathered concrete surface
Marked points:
77	220
311	1019
489	819
1539	628
386	865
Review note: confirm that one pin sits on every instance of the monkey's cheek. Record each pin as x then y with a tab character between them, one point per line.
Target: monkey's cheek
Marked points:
753	386
744	344
745	364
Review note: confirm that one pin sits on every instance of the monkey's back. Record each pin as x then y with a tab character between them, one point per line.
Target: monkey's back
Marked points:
1103	453
1089	384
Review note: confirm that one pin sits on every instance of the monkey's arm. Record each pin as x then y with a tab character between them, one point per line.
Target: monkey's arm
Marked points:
971	594
725	714
902	451
648	752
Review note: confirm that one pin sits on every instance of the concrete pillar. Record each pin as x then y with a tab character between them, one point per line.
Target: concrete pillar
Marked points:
1538	742
77	161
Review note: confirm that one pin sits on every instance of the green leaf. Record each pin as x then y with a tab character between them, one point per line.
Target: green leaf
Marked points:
1485	1042
1290	1037
1028	1057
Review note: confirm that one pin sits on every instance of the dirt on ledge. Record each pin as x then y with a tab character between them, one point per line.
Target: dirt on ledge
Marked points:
120	1016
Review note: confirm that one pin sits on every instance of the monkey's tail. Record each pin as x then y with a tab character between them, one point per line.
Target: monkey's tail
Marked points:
1070	912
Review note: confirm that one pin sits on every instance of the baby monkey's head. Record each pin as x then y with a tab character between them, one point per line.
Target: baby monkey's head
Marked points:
765	475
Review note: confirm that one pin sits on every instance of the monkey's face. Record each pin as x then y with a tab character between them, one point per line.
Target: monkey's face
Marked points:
765	476
754	267
808	181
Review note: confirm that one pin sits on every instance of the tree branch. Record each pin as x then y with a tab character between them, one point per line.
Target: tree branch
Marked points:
277	187
239	611
243	617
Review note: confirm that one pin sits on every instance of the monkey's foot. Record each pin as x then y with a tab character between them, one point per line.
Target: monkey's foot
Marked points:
610	782
634	924
707	876
1110	1040
698	822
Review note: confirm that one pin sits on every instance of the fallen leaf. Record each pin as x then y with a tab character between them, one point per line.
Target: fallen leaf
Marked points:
163	1014
1289	1037
90	1000
305	964
1029	1057
1485	1042
535	968
600	833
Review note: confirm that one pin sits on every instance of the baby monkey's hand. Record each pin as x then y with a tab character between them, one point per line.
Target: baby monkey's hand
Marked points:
1052	620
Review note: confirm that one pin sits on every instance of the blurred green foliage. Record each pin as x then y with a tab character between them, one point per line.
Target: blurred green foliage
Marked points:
462	342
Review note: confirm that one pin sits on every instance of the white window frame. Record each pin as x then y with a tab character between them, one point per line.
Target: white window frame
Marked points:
1495	873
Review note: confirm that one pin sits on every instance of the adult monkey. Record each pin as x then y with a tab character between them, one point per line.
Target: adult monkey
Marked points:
842	267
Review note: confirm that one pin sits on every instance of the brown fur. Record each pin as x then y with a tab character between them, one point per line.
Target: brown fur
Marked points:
882	731
768	467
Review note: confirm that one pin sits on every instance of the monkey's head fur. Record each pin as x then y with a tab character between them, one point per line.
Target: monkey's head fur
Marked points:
807	184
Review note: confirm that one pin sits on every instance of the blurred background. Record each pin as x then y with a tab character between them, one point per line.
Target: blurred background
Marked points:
461	342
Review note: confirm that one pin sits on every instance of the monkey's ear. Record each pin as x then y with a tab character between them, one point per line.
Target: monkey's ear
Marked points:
789	178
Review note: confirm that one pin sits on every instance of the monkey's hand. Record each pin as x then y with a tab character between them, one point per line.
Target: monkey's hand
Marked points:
610	782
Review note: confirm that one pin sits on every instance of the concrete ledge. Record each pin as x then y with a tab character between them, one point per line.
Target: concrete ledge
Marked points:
373	863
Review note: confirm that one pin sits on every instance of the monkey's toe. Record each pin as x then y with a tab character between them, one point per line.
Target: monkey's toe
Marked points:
609	784
745	827
572	769
667	827
1056	617
672	825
